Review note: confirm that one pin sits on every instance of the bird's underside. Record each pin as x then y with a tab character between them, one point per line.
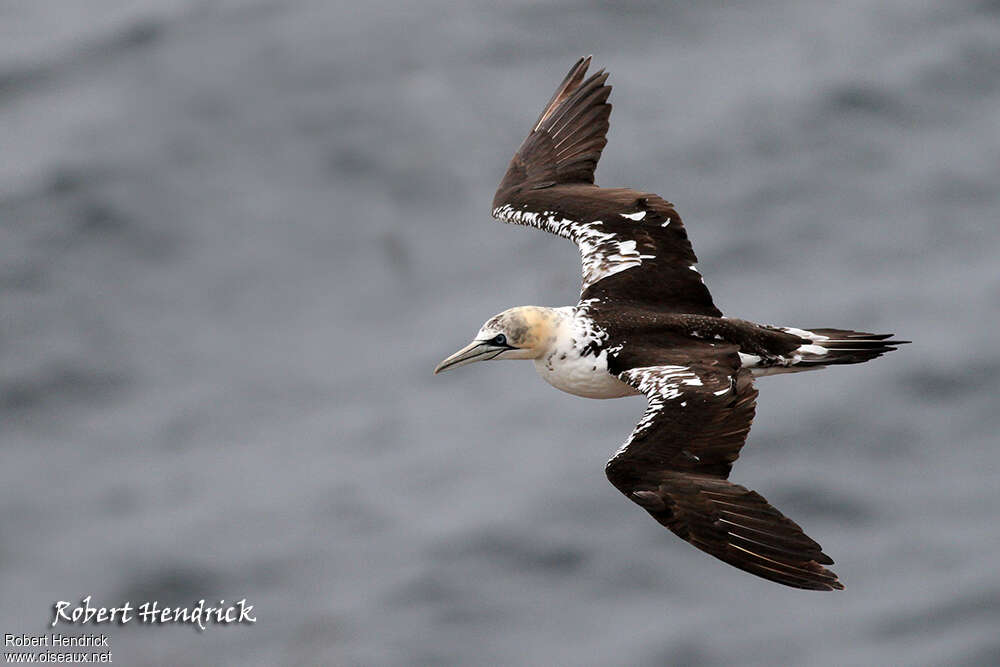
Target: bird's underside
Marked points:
655	324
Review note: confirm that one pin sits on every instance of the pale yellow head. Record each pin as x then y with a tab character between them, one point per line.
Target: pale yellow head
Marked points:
525	332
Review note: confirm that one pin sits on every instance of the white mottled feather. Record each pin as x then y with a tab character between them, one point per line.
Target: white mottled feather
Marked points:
565	365
602	253
660	384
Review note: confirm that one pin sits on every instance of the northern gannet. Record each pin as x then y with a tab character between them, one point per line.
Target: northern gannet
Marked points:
645	324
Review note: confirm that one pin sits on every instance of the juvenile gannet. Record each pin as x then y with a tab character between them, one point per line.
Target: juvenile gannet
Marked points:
645	324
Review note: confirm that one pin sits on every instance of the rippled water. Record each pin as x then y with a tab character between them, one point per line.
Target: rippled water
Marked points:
235	238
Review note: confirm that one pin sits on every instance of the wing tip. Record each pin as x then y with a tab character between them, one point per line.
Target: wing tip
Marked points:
582	63
570	83
829	582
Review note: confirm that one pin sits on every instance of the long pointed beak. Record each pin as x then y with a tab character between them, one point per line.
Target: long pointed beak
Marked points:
477	350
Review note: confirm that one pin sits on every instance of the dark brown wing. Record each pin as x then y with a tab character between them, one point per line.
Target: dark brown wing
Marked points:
633	245
565	142
676	462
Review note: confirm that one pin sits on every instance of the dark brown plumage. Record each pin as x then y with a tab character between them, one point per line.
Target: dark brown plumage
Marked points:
657	329
676	468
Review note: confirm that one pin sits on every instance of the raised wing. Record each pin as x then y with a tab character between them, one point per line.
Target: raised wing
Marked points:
566	141
633	245
676	462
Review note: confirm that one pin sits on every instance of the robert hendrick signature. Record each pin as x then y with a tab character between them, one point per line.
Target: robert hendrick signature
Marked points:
153	612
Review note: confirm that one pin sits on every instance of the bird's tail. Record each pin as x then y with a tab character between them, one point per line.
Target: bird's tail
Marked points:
820	348
829	347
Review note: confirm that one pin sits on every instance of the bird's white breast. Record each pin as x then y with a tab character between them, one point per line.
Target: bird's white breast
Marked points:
565	365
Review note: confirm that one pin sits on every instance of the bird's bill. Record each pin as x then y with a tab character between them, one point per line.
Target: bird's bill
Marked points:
477	350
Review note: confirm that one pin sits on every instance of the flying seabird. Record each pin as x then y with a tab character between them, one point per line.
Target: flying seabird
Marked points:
645	324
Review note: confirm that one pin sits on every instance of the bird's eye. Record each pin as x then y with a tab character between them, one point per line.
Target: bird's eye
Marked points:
499	339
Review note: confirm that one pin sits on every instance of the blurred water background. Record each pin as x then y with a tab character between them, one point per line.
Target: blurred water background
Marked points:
235	238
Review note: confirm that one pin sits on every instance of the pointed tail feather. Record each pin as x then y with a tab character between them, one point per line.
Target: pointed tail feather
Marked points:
828	347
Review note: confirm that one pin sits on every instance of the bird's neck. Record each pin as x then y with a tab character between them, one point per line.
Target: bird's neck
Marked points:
559	323
535	330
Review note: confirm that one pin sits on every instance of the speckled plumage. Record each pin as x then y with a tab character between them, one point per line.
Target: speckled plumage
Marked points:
646	324
576	361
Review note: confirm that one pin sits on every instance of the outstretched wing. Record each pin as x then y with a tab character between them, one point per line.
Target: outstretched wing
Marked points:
633	245
566	141
675	465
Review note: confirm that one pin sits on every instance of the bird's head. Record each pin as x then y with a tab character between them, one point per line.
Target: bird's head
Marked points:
525	332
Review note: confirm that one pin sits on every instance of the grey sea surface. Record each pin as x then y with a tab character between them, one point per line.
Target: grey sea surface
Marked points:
236	237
